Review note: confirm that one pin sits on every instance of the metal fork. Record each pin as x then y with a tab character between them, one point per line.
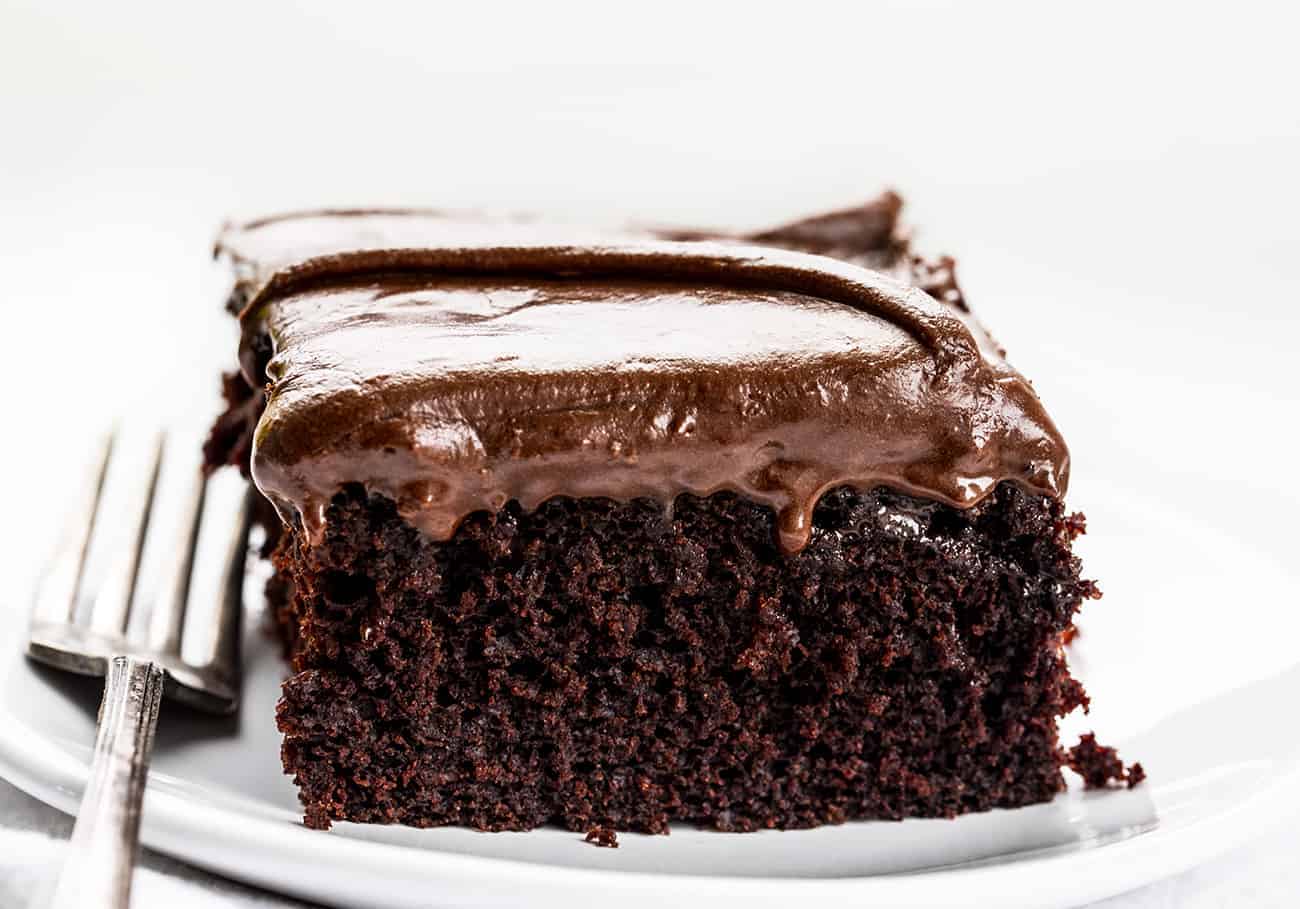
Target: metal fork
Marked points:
156	548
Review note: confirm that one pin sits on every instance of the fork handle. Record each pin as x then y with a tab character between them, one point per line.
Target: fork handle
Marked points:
106	836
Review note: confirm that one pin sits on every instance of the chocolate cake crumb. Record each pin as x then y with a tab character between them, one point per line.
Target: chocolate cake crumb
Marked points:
1136	774
1076	525
605	837
1100	765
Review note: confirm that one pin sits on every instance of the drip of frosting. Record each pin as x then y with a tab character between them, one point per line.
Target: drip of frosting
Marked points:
455	377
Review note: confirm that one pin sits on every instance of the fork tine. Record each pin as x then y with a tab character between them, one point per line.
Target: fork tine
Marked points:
212	620
225	659
164	582
154	572
110	606
56	597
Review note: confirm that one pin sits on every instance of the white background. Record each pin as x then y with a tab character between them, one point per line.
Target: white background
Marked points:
1119	182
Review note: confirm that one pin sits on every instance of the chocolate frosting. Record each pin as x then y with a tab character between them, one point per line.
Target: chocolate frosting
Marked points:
453	377
256	250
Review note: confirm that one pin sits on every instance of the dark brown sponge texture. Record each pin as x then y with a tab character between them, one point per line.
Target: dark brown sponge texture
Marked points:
1100	765
606	665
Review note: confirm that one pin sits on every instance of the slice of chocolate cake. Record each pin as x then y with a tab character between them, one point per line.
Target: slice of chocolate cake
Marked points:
616	529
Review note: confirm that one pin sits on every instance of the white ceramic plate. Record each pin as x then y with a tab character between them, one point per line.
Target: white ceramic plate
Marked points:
1189	659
